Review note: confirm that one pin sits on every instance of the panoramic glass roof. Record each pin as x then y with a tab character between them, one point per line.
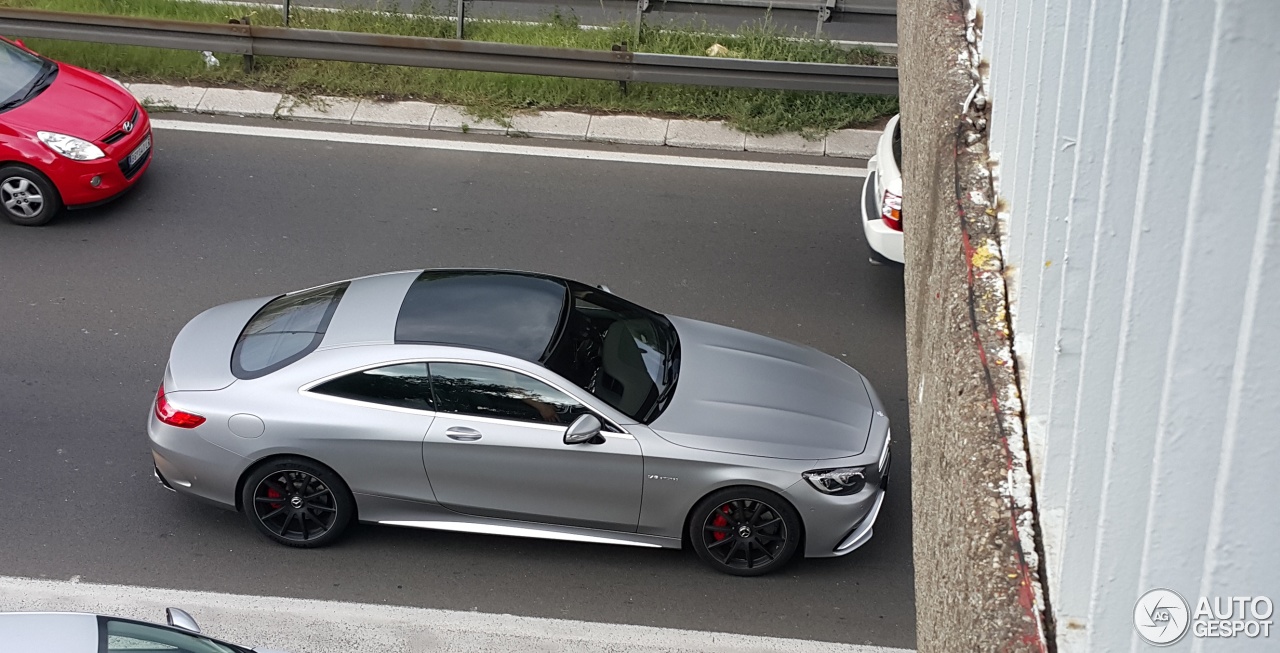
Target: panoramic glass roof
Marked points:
511	313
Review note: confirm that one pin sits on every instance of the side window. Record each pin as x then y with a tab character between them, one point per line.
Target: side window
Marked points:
133	637
407	385
493	392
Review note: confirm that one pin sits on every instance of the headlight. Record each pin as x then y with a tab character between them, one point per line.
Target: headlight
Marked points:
70	146
840	481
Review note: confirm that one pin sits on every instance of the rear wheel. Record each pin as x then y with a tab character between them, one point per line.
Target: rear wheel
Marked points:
27	197
297	503
744	531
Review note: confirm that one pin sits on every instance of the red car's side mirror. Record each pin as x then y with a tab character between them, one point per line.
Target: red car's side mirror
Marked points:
19	43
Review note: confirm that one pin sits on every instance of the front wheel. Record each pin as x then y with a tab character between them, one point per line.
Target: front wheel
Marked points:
28	198
297	503
744	531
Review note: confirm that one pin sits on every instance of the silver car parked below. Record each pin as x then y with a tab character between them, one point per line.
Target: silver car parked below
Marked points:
79	632
522	404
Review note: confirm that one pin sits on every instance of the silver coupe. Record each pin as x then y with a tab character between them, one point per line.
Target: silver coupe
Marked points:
520	404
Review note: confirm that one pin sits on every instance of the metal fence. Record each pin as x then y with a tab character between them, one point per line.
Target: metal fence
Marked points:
618	65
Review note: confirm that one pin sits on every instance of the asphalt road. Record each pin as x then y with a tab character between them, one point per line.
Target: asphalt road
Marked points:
90	304
875	27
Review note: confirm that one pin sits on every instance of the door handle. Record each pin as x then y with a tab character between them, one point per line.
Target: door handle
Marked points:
462	433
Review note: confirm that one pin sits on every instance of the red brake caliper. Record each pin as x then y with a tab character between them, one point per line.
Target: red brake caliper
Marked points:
273	494
720	522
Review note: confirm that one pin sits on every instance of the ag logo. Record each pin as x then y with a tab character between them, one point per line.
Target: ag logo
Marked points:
1161	617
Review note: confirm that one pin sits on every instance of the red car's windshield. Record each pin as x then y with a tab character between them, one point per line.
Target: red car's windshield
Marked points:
22	75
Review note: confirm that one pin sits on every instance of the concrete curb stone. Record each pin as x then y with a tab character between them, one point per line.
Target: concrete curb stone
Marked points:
628	130
318	109
705	135
450	118
852	143
182	98
785	144
239	102
564	125
414	115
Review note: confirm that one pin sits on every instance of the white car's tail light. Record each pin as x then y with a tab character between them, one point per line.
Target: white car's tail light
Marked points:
891	210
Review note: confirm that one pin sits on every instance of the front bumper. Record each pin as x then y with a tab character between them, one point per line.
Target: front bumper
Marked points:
885	240
861	533
114	173
74	179
836	525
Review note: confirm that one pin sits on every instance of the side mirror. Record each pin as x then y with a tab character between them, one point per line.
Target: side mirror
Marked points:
605	288
180	619
583	430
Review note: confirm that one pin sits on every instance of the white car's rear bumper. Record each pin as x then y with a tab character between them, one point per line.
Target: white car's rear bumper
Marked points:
884	240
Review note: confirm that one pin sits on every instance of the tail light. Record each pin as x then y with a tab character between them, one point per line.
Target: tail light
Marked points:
173	417
891	210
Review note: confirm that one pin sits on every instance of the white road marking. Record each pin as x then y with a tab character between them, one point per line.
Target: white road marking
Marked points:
515	531
306	626
503	148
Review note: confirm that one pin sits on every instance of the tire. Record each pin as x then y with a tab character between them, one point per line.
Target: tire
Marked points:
314	508
744	531
27	197
876	258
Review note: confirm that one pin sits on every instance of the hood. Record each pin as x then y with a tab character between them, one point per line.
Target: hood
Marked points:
743	393
79	103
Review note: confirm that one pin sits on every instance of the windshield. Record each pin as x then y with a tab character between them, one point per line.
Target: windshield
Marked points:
22	75
626	355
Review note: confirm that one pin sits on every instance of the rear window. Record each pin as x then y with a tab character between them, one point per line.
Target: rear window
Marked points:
286	329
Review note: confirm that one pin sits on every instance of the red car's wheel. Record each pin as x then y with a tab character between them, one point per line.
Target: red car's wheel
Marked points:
27	197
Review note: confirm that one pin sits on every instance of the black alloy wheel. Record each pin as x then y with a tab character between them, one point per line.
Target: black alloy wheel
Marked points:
298	503
744	531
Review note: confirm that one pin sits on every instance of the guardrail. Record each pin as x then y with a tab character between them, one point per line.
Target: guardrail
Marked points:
356	47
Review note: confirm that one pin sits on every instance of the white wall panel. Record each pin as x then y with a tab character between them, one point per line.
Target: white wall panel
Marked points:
1139	150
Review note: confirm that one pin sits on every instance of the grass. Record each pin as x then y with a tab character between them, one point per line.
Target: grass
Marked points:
490	95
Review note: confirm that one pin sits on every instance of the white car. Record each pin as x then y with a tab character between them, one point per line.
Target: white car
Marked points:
882	197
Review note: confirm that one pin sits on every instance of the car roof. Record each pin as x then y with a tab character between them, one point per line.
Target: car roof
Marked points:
68	632
511	312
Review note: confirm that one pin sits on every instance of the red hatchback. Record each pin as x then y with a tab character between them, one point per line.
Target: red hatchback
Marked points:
68	137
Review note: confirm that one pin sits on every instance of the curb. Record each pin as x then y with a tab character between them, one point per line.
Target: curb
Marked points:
559	125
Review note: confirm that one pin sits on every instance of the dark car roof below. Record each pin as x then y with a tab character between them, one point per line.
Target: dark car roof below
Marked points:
512	313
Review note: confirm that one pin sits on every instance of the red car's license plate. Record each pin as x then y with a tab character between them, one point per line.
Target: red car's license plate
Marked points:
140	151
